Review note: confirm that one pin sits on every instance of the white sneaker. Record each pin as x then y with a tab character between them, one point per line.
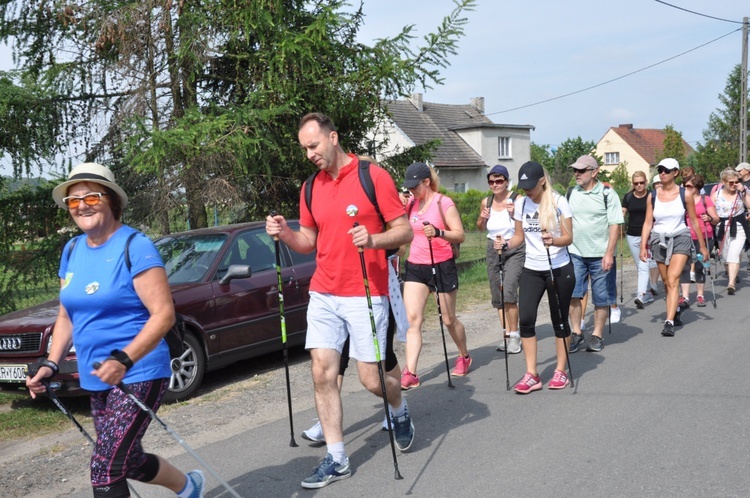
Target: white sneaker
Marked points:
615	315
692	277
514	344
314	433
647	298
384	425
501	347
583	324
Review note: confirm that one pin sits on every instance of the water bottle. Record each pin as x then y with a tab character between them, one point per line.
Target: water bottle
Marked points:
700	260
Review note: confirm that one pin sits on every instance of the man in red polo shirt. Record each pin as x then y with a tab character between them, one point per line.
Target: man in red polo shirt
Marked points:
338	306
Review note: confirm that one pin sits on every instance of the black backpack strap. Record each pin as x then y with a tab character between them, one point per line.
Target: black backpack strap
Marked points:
70	247
567	194
365	178
309	190
127	250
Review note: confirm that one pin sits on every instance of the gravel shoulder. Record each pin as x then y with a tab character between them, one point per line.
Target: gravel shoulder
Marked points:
232	400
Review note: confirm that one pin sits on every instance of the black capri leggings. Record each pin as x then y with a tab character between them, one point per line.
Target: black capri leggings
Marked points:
533	285
390	357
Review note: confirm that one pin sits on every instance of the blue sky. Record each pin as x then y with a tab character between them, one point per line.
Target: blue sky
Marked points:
522	52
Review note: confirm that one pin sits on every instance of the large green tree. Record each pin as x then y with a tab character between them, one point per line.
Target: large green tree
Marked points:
720	148
565	155
673	145
196	104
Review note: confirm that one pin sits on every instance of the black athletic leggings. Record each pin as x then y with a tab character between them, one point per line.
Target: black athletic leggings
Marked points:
533	285
390	357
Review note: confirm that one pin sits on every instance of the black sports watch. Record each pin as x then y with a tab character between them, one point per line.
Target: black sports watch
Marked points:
122	357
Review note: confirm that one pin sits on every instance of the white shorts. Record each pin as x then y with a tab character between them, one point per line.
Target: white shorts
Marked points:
331	319
731	247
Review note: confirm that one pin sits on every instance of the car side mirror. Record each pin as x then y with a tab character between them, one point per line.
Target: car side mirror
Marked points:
236	271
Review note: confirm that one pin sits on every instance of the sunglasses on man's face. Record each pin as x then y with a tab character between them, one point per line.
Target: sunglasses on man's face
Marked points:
73	201
662	170
639	183
499	181
577	171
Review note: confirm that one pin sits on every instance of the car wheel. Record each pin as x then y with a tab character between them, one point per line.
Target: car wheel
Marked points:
187	371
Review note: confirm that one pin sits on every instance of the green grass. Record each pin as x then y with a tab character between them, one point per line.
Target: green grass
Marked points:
21	416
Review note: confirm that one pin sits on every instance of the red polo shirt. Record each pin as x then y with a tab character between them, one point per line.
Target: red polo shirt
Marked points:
339	270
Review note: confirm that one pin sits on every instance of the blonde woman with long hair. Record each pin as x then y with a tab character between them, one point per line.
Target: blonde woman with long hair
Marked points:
544	223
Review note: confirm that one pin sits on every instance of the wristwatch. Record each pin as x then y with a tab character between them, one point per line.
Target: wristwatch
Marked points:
122	357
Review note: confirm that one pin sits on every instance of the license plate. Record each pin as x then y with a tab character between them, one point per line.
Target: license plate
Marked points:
13	373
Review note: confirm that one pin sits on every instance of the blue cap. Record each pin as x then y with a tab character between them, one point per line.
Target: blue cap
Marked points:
499	169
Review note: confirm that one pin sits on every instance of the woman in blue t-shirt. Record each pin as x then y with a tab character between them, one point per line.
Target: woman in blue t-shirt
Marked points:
115	315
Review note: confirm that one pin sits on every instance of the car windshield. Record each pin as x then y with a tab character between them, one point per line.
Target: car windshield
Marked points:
187	258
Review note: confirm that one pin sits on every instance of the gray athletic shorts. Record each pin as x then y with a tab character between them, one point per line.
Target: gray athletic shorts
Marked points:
513	264
682	244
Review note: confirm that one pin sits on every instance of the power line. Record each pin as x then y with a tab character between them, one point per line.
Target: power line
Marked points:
697	13
614	79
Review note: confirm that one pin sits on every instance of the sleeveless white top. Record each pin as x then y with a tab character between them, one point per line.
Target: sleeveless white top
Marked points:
500	223
669	217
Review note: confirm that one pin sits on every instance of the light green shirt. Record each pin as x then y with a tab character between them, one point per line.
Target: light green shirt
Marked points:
591	219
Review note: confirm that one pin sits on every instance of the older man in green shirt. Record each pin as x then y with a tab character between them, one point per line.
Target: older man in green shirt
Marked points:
597	216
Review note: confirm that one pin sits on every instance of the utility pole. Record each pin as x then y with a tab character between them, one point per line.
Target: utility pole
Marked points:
743	93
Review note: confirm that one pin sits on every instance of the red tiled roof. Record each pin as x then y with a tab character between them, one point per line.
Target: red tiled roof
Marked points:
647	142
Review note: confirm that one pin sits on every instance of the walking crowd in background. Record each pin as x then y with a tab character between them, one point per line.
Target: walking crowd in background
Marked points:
539	242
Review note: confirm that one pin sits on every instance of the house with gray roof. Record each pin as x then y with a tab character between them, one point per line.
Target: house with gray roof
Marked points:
470	143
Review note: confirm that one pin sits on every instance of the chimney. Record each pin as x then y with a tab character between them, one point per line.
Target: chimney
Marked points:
416	100
478	104
628	126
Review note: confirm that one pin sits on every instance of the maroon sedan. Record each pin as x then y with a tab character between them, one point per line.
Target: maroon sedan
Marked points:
224	283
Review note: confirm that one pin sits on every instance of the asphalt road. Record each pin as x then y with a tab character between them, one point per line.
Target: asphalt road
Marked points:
650	416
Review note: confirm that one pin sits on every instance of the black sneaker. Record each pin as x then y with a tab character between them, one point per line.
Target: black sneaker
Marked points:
595	344
575	342
403	429
327	472
638	303
678	317
668	330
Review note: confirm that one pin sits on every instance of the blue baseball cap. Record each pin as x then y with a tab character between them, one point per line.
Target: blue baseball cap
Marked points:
499	170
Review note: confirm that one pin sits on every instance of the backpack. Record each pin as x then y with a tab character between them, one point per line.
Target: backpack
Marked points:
175	337
365	179
682	198
491	197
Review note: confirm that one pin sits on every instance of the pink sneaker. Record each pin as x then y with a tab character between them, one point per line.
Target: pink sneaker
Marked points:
462	366
529	383
408	380
559	380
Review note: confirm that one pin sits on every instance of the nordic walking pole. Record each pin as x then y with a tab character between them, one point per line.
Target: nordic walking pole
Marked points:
182	442
58	403
622	269
276	244
505	324
352	211
707	269
440	311
559	313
